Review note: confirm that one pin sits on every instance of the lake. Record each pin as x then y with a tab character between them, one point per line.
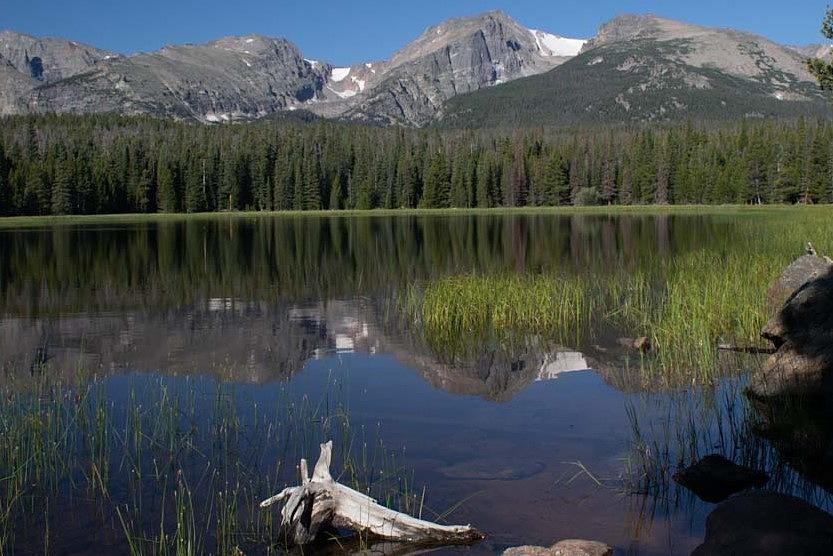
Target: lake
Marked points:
162	376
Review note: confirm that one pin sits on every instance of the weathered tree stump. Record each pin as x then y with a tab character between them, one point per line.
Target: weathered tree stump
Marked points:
320	502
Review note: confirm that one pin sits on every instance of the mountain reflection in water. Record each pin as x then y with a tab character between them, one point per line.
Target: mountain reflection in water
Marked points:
251	342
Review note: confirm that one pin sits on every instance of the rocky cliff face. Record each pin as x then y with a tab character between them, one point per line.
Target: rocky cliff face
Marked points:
48	60
27	62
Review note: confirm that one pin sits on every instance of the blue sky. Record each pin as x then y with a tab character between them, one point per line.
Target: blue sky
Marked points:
344	32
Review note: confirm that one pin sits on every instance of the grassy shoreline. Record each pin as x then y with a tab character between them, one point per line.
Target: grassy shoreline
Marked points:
613	210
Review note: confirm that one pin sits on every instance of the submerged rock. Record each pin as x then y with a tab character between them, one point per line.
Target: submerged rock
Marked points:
577	547
569	547
766	523
493	469
714	478
527	551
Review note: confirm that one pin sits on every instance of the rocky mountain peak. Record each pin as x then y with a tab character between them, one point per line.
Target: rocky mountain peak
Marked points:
453	31
48	59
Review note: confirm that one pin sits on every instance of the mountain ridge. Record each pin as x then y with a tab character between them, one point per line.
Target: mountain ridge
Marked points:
246	77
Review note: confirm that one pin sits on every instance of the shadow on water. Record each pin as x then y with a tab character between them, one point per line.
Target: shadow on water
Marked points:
162	378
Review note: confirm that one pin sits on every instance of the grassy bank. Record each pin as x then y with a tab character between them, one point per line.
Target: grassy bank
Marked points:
34	221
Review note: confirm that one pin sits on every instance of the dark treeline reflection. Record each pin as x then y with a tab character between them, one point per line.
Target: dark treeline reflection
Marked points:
167	263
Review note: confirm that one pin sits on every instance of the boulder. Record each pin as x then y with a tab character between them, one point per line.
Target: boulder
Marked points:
714	478
804	269
806	309
569	547
802	331
765	523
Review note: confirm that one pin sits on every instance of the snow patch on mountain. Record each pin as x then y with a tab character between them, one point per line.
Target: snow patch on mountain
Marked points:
553	45
339	74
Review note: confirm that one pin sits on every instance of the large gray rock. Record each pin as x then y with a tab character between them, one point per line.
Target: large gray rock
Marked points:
804	269
763	523
803	333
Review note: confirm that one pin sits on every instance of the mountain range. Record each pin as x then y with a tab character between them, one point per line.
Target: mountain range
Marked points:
481	71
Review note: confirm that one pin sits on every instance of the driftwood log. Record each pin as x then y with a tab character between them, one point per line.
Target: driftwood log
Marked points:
320	503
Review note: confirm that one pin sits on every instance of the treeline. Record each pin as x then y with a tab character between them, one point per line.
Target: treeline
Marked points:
110	164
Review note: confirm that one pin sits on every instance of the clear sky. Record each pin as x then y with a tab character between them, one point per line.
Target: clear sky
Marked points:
349	31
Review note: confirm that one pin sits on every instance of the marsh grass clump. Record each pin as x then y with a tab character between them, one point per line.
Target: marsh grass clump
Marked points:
686	307
163	465
458	310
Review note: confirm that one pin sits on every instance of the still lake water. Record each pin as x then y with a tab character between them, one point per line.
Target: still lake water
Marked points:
529	446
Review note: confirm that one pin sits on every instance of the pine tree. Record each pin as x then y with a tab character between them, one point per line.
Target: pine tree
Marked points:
556	187
662	183
514	180
5	187
282	182
165	187
62	187
437	188
626	187
484	181
312	182
459	181
608	191
578	177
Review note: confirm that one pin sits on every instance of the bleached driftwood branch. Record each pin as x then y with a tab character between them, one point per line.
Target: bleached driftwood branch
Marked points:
320	502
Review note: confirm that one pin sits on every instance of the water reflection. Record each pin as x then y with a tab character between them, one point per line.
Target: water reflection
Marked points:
81	268
250	342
